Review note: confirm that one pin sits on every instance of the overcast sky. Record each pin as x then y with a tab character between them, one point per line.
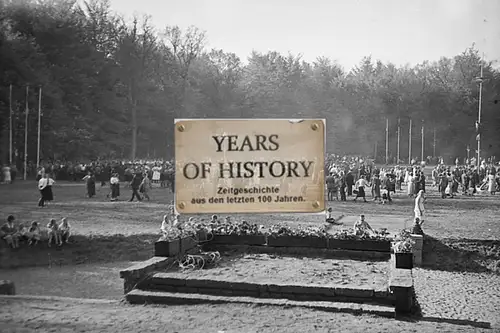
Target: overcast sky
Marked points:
400	31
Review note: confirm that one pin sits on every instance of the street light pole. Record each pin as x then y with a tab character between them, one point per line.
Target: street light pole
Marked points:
387	141
480	79
409	144
422	153
434	144
399	137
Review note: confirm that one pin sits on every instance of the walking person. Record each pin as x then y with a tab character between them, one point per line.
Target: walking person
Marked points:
45	188
342	188
360	185
90	184
492	184
387	186
330	184
114	184
376	184
349	178
135	185
145	186
419	207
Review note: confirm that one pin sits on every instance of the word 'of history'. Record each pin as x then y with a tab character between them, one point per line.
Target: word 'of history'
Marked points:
249	166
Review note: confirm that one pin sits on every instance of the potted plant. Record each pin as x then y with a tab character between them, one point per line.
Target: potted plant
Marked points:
169	244
238	234
283	236
187	239
403	250
349	240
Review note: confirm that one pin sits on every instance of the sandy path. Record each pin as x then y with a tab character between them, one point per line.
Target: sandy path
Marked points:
29	316
265	268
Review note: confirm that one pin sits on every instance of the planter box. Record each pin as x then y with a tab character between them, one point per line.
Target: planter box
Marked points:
187	243
404	260
360	245
239	239
202	236
167	248
296	241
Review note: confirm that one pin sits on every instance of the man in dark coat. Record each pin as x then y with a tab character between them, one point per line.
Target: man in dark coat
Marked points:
135	184
349	179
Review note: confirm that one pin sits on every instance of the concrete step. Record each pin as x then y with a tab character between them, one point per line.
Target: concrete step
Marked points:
163	282
137	296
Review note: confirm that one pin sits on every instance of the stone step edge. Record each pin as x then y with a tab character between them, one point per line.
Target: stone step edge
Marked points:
159	280
137	296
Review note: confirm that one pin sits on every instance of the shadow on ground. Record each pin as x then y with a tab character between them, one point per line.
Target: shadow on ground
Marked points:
461	255
81	250
417	316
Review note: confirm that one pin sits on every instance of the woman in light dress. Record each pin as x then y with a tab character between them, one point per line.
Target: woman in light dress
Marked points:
410	186
6	174
419	206
145	186
115	187
156	174
491	184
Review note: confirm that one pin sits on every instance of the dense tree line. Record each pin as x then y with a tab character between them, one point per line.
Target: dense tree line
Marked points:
112	87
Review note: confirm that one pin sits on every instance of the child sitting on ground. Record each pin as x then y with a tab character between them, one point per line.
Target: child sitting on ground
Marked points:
165	225
361	226
34	234
65	230
384	197
22	233
417	227
329	215
54	234
8	232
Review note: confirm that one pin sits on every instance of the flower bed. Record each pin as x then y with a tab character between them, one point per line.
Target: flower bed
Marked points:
230	233
236	234
283	236
348	240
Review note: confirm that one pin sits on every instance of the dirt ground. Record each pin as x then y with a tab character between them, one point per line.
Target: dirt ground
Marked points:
265	268
81	281
464	237
65	316
461	217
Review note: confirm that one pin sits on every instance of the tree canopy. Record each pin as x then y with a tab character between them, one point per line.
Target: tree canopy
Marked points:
112	88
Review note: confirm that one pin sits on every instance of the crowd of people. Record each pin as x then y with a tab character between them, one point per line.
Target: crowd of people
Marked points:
347	176
16	235
469	178
353	176
159	171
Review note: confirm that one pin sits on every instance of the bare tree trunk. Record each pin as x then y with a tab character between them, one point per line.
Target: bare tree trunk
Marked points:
133	110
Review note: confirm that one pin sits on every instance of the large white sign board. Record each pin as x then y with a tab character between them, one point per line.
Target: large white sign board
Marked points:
249	166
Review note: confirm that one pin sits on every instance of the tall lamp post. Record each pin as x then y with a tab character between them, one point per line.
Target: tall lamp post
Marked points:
478	123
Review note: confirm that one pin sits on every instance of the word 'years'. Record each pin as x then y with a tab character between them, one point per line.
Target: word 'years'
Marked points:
248	143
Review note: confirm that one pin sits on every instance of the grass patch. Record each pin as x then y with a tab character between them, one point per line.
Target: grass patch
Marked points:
462	255
81	250
106	231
